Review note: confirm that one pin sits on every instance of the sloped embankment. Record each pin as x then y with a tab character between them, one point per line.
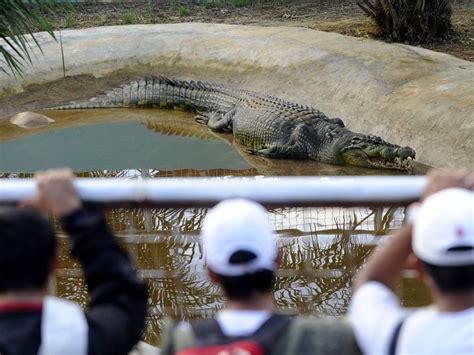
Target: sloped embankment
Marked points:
407	95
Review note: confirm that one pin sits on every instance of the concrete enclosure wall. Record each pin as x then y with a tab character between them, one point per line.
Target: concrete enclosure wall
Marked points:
407	95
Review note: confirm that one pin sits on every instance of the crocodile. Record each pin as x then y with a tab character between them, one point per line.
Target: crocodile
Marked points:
264	125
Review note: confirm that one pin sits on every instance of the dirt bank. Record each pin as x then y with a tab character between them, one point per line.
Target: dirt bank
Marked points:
408	95
341	16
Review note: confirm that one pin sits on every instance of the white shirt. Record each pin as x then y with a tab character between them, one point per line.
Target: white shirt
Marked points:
64	328
375	312
241	323
235	323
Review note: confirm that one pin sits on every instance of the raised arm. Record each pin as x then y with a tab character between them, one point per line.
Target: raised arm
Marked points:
117	309
375	311
387	262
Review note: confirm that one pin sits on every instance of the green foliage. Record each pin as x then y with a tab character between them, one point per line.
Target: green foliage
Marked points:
184	10
149	14
62	54
128	17
463	39
209	4
100	20
18	20
71	20
236	3
240	3
414	21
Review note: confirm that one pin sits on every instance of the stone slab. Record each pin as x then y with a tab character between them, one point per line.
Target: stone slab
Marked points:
408	95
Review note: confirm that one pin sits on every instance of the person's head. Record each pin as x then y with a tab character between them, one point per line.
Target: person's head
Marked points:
27	250
240	248
443	239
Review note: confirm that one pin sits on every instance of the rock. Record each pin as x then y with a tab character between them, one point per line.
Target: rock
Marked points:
30	120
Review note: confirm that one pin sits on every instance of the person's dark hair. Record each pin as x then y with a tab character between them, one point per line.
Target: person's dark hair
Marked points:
241	288
244	287
27	249
451	279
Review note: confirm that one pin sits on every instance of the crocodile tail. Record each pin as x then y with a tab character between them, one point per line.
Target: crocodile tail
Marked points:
161	92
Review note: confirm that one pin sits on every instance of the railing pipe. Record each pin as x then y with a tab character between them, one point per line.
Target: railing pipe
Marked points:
204	192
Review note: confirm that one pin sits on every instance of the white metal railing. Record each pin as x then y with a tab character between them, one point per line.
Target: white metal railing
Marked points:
203	192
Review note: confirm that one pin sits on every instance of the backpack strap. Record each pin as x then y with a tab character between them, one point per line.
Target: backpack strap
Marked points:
271	329
396	333
207	331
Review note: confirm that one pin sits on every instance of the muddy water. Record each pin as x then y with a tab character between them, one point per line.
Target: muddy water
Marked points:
322	247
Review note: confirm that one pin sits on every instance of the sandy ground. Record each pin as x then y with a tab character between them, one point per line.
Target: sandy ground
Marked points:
341	16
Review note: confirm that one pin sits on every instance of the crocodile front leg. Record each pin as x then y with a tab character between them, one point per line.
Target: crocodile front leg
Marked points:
287	151
217	121
294	148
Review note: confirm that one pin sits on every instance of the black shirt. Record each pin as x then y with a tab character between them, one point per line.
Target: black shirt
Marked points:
117	310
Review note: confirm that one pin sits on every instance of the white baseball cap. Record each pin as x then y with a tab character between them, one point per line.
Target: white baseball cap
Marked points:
238	225
443	228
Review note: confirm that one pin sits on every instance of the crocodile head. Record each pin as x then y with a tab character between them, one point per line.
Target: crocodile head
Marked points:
373	152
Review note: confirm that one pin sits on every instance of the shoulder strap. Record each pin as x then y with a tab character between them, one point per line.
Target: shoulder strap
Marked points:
271	329
393	342
207	330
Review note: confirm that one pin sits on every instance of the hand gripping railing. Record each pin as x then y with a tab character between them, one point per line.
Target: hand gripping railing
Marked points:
204	192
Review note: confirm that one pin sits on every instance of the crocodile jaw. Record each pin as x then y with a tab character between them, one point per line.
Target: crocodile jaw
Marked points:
358	157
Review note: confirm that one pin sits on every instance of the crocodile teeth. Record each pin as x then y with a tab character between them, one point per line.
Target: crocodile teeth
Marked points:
406	163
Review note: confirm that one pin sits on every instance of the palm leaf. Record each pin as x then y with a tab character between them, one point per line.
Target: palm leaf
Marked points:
19	19
420	6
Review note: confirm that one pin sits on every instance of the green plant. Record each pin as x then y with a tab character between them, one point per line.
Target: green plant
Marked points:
18	19
208	4
128	18
100	20
71	20
463	39
240	3
149	14
184	10
413	21
365	21
62	53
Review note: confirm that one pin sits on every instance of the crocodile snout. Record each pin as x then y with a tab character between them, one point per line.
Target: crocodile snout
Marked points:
406	152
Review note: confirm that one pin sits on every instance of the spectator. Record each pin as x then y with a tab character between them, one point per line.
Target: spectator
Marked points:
440	232
33	323
242	257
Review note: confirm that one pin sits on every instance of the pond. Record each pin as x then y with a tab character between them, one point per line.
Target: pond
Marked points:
322	247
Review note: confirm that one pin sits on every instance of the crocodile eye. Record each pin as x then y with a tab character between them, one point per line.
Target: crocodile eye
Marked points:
374	139
334	129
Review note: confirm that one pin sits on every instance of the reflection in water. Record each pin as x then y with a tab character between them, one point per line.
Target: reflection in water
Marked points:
115	139
321	248
118	145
